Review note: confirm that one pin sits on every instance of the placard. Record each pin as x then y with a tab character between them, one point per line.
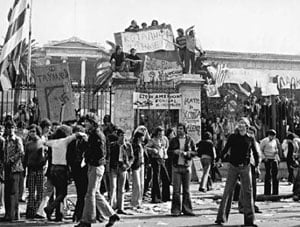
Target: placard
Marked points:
54	92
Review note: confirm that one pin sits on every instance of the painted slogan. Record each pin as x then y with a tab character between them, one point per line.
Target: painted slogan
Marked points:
160	70
55	92
147	40
191	113
156	101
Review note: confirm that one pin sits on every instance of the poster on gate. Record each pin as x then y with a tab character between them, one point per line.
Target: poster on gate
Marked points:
156	101
145	41
160	70
54	92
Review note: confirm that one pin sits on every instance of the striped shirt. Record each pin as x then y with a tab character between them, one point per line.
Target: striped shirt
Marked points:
181	40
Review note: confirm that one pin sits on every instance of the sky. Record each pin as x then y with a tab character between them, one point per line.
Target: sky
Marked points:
257	26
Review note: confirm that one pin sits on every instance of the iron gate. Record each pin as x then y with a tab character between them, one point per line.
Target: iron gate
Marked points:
85	99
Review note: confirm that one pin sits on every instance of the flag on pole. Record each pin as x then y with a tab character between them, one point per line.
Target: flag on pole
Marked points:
17	33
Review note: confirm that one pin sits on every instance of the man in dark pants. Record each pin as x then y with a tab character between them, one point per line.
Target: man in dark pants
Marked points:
240	146
254	172
75	154
95	157
157	148
271	152
183	150
13	167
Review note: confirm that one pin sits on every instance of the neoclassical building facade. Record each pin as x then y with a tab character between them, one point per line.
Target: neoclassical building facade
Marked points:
81	56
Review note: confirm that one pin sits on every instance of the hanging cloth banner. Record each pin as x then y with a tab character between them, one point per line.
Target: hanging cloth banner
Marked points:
160	70
156	101
147	40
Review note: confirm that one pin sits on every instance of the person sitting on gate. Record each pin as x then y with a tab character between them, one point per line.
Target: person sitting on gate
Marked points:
133	27
133	62
117	60
154	24
144	26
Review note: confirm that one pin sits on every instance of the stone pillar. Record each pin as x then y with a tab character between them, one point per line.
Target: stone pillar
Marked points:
123	114
64	59
48	60
190	88
83	70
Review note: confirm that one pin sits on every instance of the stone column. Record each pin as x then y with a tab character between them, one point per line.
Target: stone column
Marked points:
190	114
48	60
123	113
190	88
83	70
64	59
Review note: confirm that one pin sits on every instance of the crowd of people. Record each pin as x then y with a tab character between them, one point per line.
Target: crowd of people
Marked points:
99	158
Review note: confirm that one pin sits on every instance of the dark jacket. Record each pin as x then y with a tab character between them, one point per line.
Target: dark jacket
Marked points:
189	147
35	157
239	148
114	154
206	147
75	154
138	156
96	148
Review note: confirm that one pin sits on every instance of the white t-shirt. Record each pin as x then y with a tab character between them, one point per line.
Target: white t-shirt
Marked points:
181	159
59	149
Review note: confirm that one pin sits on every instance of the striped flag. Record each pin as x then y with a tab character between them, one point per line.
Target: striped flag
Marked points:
17	32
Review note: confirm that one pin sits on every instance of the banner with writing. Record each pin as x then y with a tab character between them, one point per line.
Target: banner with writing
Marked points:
54	92
148	40
191	113
156	101
160	70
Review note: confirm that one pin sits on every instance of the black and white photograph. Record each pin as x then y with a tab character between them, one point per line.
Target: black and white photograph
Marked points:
144	113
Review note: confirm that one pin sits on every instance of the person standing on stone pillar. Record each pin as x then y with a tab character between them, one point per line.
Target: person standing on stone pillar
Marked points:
192	45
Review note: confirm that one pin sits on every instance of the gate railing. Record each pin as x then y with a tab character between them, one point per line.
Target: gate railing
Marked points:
85	99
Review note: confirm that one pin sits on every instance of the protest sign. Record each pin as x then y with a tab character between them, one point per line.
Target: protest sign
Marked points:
156	101
55	92
147	40
191	113
160	70
212	91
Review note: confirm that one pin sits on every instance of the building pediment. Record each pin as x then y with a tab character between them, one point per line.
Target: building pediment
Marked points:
73	42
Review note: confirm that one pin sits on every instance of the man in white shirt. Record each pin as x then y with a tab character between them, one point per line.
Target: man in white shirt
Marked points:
270	149
192	45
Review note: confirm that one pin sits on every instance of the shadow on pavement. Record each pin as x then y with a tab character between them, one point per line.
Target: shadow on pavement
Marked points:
29	224
211	225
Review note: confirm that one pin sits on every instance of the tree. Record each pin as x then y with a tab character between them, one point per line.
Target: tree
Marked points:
104	72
